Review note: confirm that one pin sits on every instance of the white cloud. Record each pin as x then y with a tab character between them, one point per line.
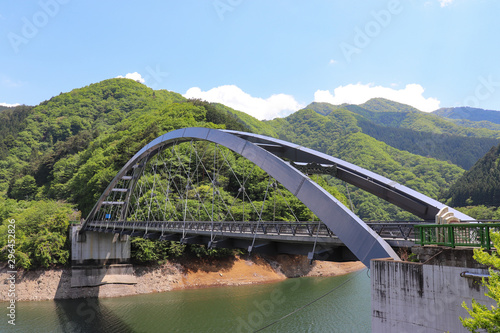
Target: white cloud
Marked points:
333	61
133	76
445	3
279	105
9	105
360	93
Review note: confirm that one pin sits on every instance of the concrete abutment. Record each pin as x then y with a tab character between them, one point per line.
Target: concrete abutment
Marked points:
428	296
99	258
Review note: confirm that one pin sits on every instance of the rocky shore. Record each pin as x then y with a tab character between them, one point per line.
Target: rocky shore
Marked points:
56	283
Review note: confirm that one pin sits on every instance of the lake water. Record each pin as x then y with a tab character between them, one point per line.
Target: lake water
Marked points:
226	309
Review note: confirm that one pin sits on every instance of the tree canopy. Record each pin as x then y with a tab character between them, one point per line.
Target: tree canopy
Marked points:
482	316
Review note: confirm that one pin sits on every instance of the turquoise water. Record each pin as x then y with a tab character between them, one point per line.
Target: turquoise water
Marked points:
226	309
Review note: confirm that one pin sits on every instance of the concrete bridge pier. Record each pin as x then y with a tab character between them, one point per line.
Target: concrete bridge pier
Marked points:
99	258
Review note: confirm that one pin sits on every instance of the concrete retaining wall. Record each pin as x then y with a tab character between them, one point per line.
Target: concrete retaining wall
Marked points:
416	297
83	276
99	248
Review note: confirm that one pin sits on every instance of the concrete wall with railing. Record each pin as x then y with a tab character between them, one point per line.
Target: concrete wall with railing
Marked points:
425	297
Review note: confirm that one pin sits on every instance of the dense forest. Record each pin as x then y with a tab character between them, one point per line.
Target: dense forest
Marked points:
480	185
468	113
56	158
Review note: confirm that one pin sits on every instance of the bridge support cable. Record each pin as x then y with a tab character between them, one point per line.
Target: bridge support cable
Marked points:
153	188
186	192
286	202
215	167
311	254
250	248
349	196
214	181
165	185
132	181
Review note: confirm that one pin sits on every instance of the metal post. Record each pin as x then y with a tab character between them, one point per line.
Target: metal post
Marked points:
421	232
451	234
487	231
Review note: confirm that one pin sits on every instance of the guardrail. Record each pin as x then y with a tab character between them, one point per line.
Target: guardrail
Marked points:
457	234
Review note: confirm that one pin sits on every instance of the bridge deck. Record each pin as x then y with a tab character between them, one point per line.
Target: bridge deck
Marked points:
397	234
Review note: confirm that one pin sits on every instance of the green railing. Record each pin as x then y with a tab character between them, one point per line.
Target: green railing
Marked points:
459	234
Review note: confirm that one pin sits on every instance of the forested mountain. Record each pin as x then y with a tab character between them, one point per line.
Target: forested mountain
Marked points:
385	105
480	185
56	158
406	128
392	114
468	113
69	147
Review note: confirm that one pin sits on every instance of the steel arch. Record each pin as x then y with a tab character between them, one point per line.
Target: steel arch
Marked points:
264	151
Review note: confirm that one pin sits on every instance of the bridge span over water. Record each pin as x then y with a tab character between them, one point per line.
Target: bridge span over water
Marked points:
199	185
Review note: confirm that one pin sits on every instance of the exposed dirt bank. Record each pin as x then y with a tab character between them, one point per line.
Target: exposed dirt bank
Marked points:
56	283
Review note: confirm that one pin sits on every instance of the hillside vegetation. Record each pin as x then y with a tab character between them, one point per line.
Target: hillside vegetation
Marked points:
468	113
406	128
68	149
59	156
480	185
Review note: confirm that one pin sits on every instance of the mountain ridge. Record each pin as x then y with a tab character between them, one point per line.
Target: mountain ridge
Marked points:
469	113
70	146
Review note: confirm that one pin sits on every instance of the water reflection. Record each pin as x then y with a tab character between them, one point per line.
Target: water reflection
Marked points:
88	315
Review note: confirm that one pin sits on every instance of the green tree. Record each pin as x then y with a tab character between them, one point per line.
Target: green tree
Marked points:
41	232
483	317
24	188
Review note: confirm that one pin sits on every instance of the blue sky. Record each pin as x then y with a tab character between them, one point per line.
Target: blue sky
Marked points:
267	58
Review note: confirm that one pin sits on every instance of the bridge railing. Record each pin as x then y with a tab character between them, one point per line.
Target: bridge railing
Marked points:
387	230
250	227
459	234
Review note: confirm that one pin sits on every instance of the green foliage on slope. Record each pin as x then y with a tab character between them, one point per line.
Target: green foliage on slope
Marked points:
76	142
34	234
250	124
480	185
476	124
12	121
406	128
385	105
468	113
460	150
70	147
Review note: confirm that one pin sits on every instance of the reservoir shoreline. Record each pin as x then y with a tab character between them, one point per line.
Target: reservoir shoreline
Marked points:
50	284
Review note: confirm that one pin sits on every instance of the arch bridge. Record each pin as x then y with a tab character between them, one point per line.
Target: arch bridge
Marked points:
233	189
